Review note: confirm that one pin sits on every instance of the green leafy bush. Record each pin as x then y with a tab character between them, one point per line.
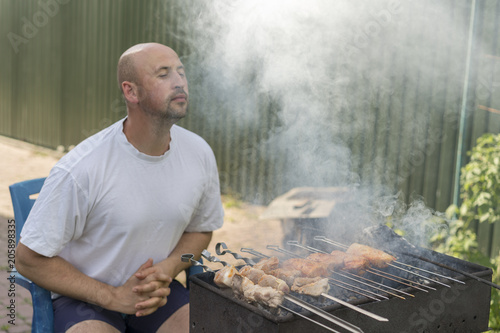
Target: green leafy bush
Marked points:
480	182
480	194
451	233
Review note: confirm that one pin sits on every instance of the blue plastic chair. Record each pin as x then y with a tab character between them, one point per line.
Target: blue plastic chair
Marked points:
43	314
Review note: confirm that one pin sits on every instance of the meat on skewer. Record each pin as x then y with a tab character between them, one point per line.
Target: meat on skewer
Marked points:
267	264
303	285
253	274
307	267
246	289
376	257
334	260
258	276
338	261
287	275
316	264
224	276
355	264
311	286
228	277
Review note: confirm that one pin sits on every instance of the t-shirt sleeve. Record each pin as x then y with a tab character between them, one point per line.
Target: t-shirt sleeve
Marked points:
57	216
209	214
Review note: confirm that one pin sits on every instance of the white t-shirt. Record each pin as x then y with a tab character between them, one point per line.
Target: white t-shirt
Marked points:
106	207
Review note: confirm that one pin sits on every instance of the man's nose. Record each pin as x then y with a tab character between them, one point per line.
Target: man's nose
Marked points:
179	81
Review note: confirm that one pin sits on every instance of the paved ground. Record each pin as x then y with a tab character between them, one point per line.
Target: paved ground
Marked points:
20	161
20	320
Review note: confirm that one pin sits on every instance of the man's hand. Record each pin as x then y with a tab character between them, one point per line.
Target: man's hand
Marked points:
144	292
154	284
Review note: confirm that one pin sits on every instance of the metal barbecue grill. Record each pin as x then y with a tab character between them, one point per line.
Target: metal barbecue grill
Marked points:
443	302
416	293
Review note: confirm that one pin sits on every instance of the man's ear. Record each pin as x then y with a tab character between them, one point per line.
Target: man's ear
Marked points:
130	92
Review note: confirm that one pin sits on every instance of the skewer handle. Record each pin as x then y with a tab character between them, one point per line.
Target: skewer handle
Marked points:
207	255
236	255
189	257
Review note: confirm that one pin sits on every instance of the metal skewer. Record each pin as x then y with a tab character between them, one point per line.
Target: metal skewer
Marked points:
346	304
207	255
400	280
236	255
307	318
255	253
343	246
491	284
328	316
430	272
363	292
314	250
333	282
189	257
369	283
296	301
311	249
419	275
355	308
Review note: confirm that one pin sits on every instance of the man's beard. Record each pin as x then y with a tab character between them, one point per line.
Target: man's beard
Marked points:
169	113
173	113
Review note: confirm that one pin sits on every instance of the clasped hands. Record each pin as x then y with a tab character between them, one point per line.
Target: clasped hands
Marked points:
145	291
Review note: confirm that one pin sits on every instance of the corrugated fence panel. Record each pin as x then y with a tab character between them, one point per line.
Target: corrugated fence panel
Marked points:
485	101
6	68
34	57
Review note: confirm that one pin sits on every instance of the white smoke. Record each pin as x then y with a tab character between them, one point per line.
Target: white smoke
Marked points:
312	72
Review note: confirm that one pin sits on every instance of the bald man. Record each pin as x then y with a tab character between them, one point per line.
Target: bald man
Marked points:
115	214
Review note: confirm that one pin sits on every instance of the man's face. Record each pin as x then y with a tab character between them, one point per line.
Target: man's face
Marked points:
163	87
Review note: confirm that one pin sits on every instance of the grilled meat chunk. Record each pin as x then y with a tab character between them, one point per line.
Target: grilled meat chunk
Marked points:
246	289
311	286
287	275
253	274
258	276
334	260
376	257
308	268
273	282
265	295
267	264
241	284
224	276
355	264
338	260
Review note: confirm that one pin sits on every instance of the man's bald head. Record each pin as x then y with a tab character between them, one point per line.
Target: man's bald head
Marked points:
129	60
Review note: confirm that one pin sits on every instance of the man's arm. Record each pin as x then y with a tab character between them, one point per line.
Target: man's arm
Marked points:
190	242
58	275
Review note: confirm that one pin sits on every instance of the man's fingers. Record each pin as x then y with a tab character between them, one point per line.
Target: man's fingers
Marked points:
147	264
150	287
153	273
149	306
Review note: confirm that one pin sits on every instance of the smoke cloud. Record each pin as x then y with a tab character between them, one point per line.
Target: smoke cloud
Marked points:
318	74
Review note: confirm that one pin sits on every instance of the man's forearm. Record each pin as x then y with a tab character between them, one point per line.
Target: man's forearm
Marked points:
59	276
190	242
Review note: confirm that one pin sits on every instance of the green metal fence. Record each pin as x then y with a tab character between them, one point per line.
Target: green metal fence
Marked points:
384	106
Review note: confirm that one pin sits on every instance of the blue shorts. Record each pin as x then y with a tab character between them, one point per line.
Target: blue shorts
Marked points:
68	312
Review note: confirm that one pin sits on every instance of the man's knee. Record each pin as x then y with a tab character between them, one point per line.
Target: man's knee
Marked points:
177	322
92	326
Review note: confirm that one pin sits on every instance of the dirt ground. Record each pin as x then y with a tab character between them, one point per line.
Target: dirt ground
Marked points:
242	226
